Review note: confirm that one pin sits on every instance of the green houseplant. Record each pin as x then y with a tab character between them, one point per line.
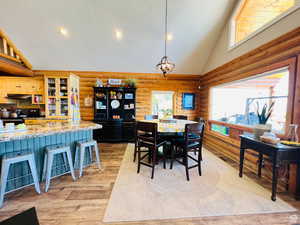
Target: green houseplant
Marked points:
130	83
263	117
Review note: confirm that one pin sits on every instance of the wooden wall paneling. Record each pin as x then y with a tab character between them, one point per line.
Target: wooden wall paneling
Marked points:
280	52
146	83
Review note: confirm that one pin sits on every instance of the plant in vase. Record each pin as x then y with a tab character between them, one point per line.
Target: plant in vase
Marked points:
263	117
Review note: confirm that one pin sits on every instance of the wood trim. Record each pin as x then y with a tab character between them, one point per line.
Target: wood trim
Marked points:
15	49
121	75
10	58
11	67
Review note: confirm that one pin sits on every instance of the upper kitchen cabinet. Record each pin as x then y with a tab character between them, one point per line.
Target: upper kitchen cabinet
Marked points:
12	61
62	96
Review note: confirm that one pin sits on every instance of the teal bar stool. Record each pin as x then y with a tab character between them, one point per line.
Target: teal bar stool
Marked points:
17	157
82	146
51	151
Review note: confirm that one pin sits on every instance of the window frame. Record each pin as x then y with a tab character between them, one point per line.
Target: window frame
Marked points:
291	64
232	44
164	92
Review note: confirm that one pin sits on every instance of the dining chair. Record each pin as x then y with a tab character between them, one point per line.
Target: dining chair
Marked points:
191	141
147	137
200	119
180	117
151	117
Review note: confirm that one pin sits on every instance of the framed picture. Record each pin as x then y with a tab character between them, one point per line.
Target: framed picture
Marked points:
188	101
114	81
128	95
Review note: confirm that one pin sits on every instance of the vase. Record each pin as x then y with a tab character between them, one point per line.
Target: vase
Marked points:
293	133
260	129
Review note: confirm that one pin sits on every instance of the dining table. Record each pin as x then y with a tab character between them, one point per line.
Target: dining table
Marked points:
170	127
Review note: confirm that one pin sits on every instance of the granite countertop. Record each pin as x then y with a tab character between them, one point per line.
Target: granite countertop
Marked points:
48	129
42	118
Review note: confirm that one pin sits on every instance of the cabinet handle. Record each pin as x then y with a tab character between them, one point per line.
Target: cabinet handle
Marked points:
18	86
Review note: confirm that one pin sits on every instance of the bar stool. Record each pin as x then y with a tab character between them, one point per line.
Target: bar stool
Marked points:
82	146
51	151
17	157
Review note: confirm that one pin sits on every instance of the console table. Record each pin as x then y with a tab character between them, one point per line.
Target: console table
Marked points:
278	154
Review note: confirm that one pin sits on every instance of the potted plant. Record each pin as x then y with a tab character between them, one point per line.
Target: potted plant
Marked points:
263	117
130	83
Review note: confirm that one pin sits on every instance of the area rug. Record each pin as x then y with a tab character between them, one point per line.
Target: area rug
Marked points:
218	192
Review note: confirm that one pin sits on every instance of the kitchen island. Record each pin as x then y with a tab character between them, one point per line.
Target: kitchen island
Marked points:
36	138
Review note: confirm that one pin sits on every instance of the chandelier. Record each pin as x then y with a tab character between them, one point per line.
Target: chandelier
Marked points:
165	66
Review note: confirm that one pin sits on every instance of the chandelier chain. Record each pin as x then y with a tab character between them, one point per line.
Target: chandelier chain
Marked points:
166	27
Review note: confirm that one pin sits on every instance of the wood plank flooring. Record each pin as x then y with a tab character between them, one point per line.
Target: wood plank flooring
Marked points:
84	202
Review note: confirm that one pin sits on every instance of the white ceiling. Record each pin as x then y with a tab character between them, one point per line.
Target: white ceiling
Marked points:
33	27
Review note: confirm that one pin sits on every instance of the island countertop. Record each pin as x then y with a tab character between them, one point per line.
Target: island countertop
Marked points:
48	129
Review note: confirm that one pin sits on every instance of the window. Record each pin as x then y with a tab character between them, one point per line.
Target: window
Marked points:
237	102
162	103
253	16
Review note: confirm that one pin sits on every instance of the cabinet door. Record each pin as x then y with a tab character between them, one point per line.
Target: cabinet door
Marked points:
50	92
63	98
57	97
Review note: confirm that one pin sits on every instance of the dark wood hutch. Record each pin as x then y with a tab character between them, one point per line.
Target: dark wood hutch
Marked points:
115	110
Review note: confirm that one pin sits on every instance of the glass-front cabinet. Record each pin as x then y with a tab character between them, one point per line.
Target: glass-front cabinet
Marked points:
57	97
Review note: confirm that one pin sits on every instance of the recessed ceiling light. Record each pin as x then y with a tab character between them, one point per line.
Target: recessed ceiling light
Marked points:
64	32
118	34
169	37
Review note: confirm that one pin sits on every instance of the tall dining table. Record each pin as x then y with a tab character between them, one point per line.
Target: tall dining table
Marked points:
170	127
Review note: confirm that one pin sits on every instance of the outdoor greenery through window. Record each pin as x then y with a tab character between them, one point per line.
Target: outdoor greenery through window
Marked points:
162	103
238	102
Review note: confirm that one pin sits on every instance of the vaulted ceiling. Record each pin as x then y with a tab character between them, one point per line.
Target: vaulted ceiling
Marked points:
33	25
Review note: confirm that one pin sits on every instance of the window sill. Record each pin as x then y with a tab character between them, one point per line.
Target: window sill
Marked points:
239	128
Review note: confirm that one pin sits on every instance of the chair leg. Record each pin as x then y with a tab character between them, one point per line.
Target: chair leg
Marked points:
34	174
4	175
70	164
135	151
153	161
90	153
186	163
139	159
164	157
199	162
97	155
174	148
45	167
65	159
200	153
48	171
81	160
76	157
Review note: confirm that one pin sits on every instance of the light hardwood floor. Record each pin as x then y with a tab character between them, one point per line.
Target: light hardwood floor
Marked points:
84	202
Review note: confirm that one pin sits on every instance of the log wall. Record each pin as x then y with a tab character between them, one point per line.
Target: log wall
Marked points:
282	51
146	83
